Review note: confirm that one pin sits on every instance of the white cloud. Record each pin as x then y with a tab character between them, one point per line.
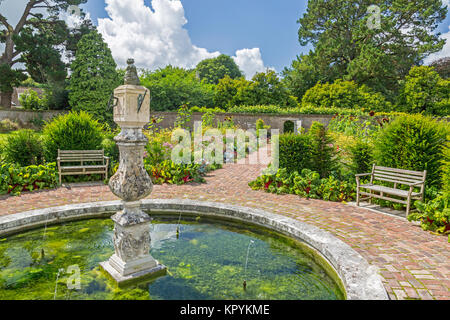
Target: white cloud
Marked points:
153	38
249	61
156	38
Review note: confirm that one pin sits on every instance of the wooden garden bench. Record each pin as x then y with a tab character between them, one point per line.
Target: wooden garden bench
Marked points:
90	162
413	179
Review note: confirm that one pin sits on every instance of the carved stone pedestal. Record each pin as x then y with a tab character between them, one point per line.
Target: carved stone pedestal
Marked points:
131	261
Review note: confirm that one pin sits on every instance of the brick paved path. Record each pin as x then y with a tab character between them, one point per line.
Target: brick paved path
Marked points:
413	263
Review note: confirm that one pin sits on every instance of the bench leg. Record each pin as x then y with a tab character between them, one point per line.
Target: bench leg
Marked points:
357	197
408	207
59	178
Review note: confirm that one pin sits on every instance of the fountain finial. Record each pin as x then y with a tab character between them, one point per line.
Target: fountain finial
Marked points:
131	76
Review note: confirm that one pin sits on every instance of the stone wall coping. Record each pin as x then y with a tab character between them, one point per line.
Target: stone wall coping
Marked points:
361	281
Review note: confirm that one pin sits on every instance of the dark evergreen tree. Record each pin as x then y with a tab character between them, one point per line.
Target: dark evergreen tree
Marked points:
93	78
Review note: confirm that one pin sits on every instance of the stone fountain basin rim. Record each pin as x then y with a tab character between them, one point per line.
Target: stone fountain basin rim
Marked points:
361	281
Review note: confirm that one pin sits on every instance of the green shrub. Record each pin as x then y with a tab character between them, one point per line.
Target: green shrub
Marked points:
362	157
7	125
15	179
24	148
323	154
345	94
294	152
72	131
425	91
413	142
30	100
110	148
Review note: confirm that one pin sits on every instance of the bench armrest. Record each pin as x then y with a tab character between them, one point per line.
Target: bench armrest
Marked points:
416	184
362	175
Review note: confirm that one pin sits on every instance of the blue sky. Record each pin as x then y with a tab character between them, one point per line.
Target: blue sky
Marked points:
227	26
257	33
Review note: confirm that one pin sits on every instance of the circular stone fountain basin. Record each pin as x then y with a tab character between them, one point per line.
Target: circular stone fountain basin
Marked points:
350	274
207	261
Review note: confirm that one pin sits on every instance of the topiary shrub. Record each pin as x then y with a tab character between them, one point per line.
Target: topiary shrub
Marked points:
362	156
413	142
72	131
24	148
323	153
294	152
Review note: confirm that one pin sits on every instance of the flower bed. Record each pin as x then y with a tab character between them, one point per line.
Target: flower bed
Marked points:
307	184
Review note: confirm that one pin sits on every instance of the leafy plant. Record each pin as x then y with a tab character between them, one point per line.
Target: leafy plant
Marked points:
433	215
16	179
307	184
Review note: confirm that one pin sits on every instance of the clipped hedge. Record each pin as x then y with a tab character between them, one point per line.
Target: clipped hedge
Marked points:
413	142
72	131
309	109
295	152
15	179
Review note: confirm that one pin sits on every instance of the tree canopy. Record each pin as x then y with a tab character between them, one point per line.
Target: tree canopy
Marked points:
212	70
34	41
424	91
171	87
346	44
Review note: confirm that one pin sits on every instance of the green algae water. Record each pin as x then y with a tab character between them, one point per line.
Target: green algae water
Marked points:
206	262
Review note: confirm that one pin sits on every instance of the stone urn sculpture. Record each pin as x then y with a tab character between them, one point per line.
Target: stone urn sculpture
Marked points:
132	260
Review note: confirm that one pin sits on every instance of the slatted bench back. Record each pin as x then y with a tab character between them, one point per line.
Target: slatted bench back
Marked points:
81	155
398	175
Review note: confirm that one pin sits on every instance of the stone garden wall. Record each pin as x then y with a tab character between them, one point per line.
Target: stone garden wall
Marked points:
23	116
245	121
248	121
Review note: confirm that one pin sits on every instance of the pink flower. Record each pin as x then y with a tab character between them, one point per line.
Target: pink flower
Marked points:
167	145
